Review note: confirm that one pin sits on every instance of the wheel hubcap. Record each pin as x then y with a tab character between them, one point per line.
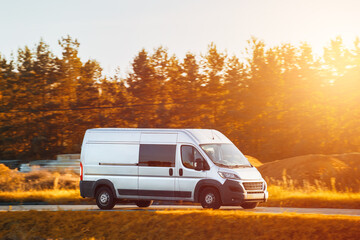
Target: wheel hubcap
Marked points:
104	198
209	198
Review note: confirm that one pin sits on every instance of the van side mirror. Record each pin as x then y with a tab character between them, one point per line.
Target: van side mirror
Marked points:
199	164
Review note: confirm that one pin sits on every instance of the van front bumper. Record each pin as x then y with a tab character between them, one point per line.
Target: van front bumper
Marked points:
233	193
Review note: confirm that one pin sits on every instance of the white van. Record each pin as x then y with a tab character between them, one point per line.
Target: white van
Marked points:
142	165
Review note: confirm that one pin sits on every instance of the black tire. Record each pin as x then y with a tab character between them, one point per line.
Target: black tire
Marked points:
249	205
143	203
105	198
210	198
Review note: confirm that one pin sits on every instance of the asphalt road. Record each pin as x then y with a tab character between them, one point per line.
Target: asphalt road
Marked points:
326	211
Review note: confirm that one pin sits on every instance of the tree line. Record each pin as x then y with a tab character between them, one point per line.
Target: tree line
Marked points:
272	102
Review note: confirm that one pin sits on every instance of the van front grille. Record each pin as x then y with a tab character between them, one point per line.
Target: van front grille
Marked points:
252	186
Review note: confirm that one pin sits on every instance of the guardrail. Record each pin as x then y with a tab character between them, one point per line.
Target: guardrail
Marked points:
51	165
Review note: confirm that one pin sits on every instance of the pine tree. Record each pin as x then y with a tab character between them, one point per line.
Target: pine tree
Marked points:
214	92
145	90
8	135
185	81
232	119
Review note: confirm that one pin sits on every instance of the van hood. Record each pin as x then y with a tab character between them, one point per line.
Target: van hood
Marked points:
249	173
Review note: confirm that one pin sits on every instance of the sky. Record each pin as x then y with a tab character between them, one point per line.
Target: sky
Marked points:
114	31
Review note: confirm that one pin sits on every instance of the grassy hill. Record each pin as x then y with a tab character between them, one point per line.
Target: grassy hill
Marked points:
338	172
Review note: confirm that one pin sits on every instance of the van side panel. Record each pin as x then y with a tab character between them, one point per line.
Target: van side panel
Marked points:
169	138
113	156
112	153
112	136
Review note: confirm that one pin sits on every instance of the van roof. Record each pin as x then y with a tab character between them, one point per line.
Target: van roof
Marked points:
202	136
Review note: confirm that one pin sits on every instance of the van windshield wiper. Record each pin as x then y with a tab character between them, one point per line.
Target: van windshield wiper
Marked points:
239	166
232	166
222	165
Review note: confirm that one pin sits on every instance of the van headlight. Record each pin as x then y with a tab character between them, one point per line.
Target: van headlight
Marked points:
228	175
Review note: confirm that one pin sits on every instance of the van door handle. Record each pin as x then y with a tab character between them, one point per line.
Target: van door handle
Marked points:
171	171
180	171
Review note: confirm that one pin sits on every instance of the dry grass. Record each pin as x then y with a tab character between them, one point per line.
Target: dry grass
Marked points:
49	196
12	180
189	224
62	188
337	172
279	197
39	186
316	198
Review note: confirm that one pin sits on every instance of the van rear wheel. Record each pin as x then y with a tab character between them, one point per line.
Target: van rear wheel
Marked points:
210	198
249	205
105	198
143	203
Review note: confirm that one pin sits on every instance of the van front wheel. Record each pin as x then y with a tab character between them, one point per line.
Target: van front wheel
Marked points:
105	198
210	198
143	203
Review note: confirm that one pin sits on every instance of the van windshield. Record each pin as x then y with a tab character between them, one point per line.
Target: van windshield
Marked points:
225	155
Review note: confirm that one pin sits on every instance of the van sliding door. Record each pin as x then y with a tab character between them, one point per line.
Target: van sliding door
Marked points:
156	169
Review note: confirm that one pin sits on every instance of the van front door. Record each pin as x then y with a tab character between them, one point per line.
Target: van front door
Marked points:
188	177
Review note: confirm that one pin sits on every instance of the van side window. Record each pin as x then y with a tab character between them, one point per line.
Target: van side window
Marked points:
189	154
157	155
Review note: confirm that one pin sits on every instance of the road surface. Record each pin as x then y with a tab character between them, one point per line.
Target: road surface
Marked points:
326	211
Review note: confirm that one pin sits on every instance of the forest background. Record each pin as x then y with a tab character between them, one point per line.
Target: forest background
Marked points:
272	102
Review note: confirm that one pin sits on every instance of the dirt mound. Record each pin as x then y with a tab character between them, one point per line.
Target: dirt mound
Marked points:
337	171
255	162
